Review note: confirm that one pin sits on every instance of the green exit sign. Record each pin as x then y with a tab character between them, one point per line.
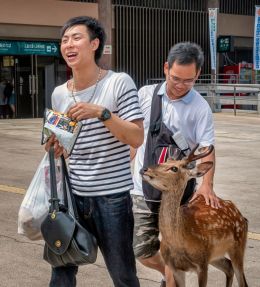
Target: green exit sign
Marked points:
225	44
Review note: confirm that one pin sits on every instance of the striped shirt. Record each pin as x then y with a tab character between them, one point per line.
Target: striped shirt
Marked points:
100	163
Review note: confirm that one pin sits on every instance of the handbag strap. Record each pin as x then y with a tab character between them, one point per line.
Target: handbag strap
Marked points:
54	200
66	175
64	188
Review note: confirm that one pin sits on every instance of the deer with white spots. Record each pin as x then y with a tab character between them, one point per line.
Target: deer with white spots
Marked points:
195	235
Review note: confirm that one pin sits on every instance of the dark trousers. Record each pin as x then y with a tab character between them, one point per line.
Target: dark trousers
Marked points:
110	218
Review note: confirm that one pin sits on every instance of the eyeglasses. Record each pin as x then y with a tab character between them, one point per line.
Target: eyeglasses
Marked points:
186	82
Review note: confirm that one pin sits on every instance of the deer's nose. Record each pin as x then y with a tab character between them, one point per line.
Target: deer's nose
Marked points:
143	170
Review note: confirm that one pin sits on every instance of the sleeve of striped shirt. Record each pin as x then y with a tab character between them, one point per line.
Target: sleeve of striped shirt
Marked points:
127	98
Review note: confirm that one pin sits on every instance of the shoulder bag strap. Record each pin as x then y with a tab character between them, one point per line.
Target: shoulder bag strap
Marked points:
156	111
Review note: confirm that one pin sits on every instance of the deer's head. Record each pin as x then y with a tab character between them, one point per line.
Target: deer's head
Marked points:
172	173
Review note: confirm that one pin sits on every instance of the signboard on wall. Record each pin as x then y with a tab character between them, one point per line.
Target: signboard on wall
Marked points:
256	56
213	12
225	44
29	48
107	50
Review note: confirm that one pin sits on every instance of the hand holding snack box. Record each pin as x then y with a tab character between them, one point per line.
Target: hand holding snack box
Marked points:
64	128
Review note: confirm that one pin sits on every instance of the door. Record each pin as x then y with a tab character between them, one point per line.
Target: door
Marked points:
31	84
23	86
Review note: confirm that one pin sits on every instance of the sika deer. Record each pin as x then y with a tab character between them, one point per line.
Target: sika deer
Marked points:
195	234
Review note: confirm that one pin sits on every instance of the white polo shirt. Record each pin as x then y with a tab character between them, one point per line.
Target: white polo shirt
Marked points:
191	115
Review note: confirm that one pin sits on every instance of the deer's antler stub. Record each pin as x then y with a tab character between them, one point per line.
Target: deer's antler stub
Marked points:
192	156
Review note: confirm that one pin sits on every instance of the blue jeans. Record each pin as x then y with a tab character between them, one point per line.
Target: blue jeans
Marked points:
110	218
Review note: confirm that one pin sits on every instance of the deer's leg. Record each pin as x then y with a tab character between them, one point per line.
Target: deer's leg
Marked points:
179	277
237	260
203	276
169	278
225	265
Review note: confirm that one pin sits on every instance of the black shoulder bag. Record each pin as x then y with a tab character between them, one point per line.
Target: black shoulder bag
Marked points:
159	138
66	241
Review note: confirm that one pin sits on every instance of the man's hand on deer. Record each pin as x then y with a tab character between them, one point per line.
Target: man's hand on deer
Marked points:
206	187
209	195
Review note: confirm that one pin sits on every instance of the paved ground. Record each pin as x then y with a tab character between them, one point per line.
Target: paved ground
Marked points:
237	178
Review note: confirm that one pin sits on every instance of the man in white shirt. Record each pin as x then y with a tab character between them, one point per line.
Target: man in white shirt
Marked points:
184	111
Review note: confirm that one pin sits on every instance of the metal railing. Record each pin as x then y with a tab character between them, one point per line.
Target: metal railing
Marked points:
221	95
244	97
228	79
218	78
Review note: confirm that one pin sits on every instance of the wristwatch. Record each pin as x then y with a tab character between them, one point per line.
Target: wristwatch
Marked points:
105	115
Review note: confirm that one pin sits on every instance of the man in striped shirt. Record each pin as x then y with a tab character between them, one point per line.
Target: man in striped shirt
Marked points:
107	104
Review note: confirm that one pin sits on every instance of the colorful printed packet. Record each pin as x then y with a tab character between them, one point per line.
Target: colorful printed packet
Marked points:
65	129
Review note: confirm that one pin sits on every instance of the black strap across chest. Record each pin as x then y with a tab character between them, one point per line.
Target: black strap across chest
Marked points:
159	137
156	111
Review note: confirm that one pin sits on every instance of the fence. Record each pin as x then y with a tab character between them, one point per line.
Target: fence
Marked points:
218	78
228	79
219	95
242	97
143	37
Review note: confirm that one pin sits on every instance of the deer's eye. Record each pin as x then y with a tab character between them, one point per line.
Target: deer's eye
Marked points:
174	169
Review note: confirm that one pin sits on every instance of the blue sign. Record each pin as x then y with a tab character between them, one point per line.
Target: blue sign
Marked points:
29	48
256	58
213	12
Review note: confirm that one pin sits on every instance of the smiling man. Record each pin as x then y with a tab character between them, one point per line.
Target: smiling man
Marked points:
107	104
172	108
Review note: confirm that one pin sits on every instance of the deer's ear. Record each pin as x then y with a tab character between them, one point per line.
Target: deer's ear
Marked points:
201	169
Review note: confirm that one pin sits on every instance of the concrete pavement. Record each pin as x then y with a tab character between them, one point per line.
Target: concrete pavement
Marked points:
237	178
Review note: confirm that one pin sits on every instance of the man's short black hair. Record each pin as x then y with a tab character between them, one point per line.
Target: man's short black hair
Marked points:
94	29
185	53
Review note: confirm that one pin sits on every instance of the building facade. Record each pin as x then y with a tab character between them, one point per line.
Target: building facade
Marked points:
29	49
141	33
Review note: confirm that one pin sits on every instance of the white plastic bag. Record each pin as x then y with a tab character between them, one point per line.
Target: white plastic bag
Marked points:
35	205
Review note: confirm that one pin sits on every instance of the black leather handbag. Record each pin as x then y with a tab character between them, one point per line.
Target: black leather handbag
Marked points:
67	242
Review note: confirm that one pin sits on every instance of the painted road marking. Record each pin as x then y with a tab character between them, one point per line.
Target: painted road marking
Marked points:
252	235
13	189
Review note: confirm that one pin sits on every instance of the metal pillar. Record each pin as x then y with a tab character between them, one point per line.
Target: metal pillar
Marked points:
105	17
